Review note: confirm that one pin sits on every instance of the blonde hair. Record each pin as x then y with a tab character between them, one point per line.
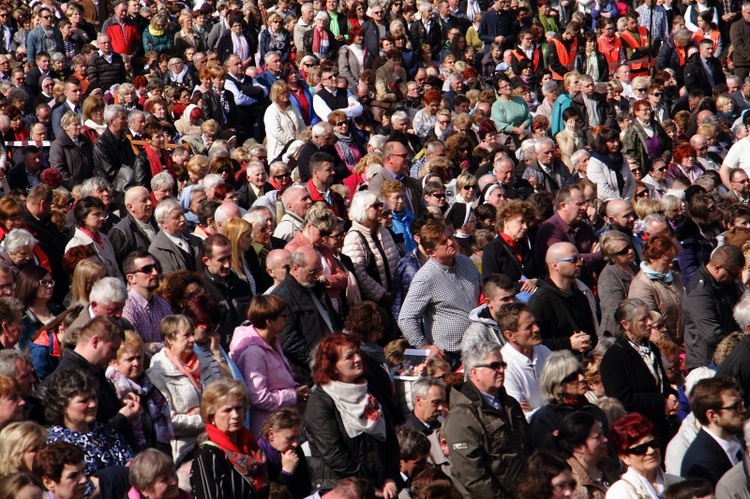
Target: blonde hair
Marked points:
15	439
172	325
647	206
722	100
218	392
367	160
233	230
83	280
132	343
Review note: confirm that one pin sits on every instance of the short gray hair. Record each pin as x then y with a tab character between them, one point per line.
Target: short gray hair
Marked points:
399	116
477	354
544	140
322	15
69	118
420	387
162	180
360	202
112	111
557	366
212	180
578	156
165	207
321	128
108	290
271	53
18	239
742	312
377	142
93	184
735	79
9	356
133	115
651	218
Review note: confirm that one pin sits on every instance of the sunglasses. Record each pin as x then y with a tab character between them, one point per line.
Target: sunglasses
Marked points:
662	169
642	449
642	194
659	325
640	89
339	123
283	175
377	205
47	283
572	376
734	407
571	259
656	94
494	365
623	251
467	187
147	269
439	196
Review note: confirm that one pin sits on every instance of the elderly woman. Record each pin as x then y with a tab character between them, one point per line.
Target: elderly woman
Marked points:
176	371
564	390
608	168
632	370
275	37
19	443
156	38
349	434
354	57
18	250
645	140
511	253
320	223
72	153
93	118
265	369
188	36
228	463
320	41
70	407
90	214
282	119
286	462
697	234
659	286
614	280
371	248
684	164
153	476
510	113
426	118
636	441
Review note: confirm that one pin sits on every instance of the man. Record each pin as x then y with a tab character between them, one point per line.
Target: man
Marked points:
107	297
636	44
309	312
620	217
524	354
433	148
26	174
256	186
712	293
563	305
739	36
142	308
497	26
224	212
322	140
250	99
703	71
277	265
546	172
400	132
395	167
113	155
73	97
429	401
375	28
587	100
171	247
483	419
566	225
718	407
737	363
296	200
136	122
138	228
700	143
11	322
304	24
121	30
273	69
498	290
319	185
106	67
562	52
19	366
231	293
45	37
37	137
330	98
414	452
740	186
7	286
435	312
505	173
741	97
60	467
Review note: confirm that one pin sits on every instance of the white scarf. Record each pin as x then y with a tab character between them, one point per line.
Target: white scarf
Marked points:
178	77
95	126
360	412
240	46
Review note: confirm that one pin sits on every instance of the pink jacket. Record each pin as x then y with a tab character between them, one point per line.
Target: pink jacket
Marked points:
266	372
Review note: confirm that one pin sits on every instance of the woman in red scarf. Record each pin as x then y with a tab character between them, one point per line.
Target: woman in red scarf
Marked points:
228	463
154	158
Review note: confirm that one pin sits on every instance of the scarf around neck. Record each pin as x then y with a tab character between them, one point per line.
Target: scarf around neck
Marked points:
158	164
614	163
191	368
360	411
656	276
246	456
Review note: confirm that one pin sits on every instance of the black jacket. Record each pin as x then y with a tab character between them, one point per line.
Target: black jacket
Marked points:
111	154
435	37
579	64
246	196
75	162
127	236
696	77
607	115
17	177
214	477
498	258
211	107
545	423
705	459
102	74
336	456
303	162
52	242
233	297
737	366
708	316
304	326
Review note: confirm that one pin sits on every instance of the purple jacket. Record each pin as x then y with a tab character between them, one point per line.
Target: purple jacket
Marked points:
266	372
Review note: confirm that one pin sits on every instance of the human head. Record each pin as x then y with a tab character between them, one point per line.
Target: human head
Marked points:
153	474
60	467
217	255
170	217
484	366
19	443
561	376
108	296
429	398
328	355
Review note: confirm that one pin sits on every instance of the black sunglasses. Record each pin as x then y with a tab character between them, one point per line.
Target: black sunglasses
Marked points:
640	450
623	251
494	365
147	269
572	376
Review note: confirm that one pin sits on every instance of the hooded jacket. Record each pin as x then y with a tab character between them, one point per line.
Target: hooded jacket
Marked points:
483	328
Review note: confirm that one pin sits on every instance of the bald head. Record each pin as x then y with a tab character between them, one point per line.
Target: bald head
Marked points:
486	180
277	264
620	215
134	193
559	250
703	115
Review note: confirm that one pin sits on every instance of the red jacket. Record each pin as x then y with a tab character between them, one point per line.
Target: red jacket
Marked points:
123	44
338	206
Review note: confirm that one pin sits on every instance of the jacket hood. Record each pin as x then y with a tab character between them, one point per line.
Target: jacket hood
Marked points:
475	316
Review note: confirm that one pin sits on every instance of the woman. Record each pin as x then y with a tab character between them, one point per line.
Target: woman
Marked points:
85	275
34	287
21	485
70	408
240	234
632	370
697	234
287	464
347	145
234	41
275	38
547	476
510	114
685	164
614	280
582	442
357	16
46	347
608	167
354	57
348	433
659	286
564	390
371	248
154	158
18	251
176	371
590	61
320	222
458	147
656	180
188	36
11	402
153	476
425	120
93	118
179	287
265	369
282	119
72	153
319	41
636	441
390	80
645	140
19	443
571	138
17	130
228	463
90	215
156	38
299	94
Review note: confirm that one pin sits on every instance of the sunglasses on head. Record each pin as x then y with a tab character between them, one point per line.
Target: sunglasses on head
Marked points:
640	450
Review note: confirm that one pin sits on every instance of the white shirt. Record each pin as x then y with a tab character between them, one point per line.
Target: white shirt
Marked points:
739	155
730	447
178	241
522	375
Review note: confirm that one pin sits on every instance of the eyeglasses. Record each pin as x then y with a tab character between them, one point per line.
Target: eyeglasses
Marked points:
377	205
260	158
444	122
339	123
640	450
403	155
283	175
388	213
736	407
338	236
494	365
623	251
307	65
641	194
46	17
469	187
147	269
640	89
572	376
47	283
313	271
438	196
571	259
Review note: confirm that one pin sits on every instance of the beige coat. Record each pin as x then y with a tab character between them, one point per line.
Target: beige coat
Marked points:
354	249
667	299
105	254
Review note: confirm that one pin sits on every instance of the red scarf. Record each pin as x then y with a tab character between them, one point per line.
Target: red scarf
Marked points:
247	457
191	368
156	162
96	237
513	246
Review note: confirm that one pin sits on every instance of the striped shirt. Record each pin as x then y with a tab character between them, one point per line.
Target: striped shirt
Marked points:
440	298
146	315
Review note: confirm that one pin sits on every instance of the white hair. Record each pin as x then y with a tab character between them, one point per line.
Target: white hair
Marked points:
162	180
477	354
17	240
360	202
212	180
544	140
108	290
165	207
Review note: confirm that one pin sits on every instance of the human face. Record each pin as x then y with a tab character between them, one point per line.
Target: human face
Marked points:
94	220
436	199
13	330
286	439
73	130
429	407
499	298
141	208
146	276
659	173
527	335
575	210
638	328
164	487
11	408
26	377
29	492
129	363
175	222
119	123
230	415
646	463
623	254
563	485
446	249
486	378
28	455
515	228
22	256
262	234
325	174
220	263
44	291
183	342
81	410
594	449
623	220
623	73
574	384
257	176
732	413
349	366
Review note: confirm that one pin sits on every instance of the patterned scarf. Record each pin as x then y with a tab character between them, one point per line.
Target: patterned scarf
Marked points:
320	43
247	457
96	237
360	411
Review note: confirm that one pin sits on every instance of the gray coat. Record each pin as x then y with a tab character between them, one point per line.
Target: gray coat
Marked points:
170	256
614	284
734	484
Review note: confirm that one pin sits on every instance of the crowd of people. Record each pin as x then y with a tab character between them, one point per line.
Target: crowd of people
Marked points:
345	249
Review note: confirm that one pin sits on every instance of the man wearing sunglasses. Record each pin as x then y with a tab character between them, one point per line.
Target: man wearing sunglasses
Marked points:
45	37
620	217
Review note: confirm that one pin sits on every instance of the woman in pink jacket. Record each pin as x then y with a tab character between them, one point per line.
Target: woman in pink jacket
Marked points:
257	352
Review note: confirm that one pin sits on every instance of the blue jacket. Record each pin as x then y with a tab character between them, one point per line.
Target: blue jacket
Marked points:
402	225
162	44
41	357
36	42
405	271
311	117
561	104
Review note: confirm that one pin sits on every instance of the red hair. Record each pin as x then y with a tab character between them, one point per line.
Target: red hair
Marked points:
354	32
432	97
640	104
683	151
203	310
221	191
627	430
329	351
658	245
